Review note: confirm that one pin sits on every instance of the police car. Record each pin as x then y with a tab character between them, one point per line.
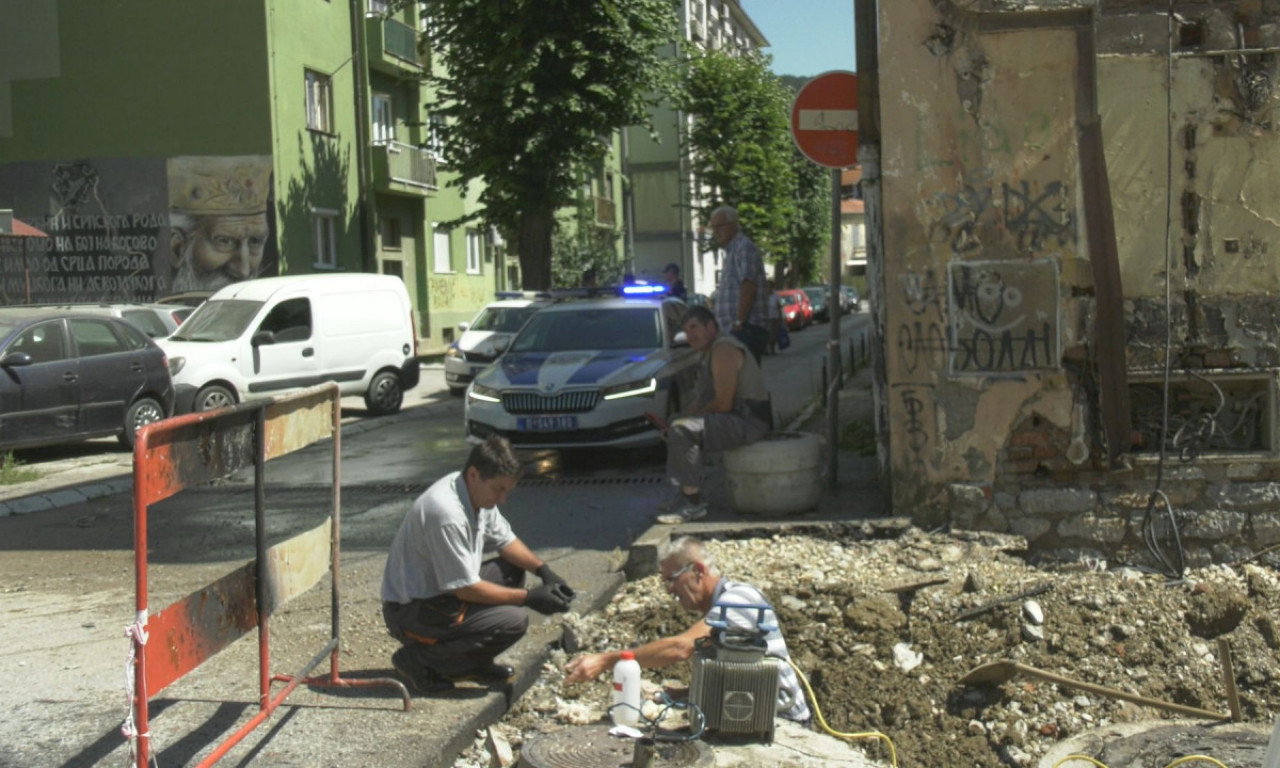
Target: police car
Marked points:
585	371
482	337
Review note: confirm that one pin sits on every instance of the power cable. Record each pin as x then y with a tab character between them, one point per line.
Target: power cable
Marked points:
817	711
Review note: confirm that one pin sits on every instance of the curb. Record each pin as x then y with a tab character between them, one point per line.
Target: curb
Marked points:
123	483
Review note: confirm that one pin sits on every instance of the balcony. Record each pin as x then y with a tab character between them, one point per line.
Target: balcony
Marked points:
393	47
606	212
403	169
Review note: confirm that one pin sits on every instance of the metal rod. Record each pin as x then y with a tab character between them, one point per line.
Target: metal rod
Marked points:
833	315
1229	679
260	553
140	704
336	405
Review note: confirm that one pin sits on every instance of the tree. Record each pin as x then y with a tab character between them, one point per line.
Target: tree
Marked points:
529	88
740	143
809	236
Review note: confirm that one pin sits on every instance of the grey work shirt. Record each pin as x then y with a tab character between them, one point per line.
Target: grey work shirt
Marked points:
441	543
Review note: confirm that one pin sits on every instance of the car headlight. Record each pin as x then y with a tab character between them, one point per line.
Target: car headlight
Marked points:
484	394
176	364
453	351
631	389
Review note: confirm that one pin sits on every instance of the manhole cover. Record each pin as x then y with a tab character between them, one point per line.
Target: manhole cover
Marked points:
593	747
1237	745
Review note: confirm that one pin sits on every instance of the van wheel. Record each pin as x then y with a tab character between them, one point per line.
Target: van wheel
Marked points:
213	397
144	411
385	394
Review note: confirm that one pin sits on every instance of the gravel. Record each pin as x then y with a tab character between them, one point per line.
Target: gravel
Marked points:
873	666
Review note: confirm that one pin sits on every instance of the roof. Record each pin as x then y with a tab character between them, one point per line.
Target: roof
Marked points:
263	288
23	229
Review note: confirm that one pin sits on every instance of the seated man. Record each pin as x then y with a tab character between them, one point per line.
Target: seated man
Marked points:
730	409
691	576
452	613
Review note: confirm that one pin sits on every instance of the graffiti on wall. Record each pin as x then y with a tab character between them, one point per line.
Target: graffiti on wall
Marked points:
136	229
1034	217
917	424
1004	317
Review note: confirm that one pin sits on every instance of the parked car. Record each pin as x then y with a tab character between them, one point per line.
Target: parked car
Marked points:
259	338
818	295
155	320
796	310
67	376
481	338
853	302
585	372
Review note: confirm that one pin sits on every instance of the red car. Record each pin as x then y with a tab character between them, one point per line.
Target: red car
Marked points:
796	309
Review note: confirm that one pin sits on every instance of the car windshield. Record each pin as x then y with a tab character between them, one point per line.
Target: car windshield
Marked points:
789	299
502	319
218	320
816	295
591	328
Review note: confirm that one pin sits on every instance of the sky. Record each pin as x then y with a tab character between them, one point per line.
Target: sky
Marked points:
806	37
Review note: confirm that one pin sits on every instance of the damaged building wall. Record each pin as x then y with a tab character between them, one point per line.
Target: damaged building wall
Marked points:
988	297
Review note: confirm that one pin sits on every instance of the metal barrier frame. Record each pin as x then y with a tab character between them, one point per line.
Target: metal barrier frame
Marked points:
186	451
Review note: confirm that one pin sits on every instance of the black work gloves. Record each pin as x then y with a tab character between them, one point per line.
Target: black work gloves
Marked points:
548	599
549	576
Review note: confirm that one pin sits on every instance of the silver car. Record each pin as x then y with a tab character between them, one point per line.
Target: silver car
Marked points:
481	339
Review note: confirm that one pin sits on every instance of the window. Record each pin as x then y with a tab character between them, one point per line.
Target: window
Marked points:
384	119
289	321
45	343
378	6
435	136
390	233
475	247
319	102
440	250
94	337
324	224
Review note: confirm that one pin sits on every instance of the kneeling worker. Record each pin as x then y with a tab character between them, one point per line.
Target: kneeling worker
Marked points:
730	410
691	576
451	611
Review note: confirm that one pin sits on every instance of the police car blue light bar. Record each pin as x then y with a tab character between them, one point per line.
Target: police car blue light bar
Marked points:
643	290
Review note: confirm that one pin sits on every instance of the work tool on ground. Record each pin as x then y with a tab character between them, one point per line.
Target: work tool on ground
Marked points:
999	672
981	609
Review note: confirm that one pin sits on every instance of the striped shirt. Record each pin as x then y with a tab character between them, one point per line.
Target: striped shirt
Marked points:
739	593
741	262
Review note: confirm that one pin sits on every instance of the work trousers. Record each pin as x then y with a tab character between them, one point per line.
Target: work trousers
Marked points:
755	338
454	637
689	436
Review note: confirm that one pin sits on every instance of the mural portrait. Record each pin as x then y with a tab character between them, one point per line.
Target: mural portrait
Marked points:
137	229
220	229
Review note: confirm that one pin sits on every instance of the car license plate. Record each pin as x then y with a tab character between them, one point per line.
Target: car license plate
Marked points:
546	423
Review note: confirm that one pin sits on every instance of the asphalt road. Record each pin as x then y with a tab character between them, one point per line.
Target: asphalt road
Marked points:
66	580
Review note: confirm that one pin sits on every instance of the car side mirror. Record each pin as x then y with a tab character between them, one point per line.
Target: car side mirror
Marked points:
15	360
463	326
680	339
262	338
500	344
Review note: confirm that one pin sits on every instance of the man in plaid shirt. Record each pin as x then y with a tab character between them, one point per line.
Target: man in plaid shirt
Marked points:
741	298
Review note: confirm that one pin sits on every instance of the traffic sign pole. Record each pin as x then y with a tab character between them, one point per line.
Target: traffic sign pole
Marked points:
824	125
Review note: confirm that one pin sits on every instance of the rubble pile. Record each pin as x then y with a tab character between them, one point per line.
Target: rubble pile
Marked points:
885	628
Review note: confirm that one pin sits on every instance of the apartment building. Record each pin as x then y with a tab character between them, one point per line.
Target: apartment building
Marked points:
664	196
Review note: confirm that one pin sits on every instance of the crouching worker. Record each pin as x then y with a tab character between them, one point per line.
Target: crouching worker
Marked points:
452	611
730	410
691	576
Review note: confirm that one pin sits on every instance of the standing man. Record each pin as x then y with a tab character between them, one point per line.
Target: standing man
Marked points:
451	612
692	578
675	286
741	299
730	409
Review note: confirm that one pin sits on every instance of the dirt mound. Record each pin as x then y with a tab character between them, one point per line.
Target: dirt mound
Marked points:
1118	627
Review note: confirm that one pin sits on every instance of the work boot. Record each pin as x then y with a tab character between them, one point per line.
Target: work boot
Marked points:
420	679
688	511
486	674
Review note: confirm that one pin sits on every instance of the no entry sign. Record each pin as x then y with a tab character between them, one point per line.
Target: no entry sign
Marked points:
824	119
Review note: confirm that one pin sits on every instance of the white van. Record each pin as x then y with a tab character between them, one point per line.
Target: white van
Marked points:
262	337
